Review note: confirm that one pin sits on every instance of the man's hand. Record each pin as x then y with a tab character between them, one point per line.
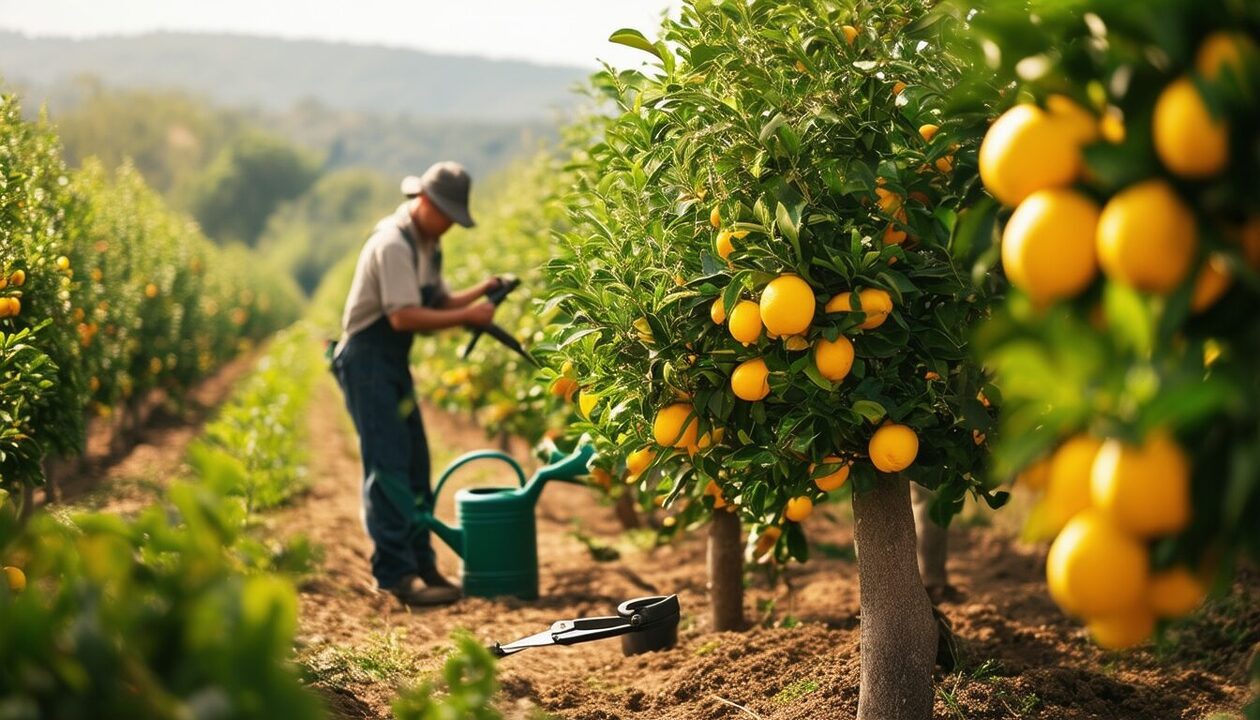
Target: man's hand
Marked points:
490	284
480	315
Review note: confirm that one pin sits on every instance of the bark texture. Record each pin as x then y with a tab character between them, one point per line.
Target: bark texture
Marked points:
726	571
898	632
933	542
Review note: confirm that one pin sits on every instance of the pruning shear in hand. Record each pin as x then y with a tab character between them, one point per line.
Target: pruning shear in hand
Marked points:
507	283
644	624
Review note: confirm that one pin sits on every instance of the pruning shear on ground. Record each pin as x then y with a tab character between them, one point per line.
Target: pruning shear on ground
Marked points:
507	283
644	624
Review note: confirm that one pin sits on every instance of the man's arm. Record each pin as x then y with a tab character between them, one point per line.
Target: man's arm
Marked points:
464	298
415	318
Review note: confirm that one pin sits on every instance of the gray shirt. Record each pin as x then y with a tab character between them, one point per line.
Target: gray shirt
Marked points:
397	268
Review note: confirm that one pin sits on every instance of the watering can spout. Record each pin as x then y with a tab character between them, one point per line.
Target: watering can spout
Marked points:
562	467
454	537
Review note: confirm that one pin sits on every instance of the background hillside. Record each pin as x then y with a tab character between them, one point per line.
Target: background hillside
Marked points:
274	74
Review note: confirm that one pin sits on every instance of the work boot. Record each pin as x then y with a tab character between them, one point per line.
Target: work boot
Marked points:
413	591
433	578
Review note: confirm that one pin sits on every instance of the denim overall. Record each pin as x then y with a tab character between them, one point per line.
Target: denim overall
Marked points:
375	377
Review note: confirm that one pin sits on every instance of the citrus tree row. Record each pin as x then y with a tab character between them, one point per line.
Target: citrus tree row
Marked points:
761	300
1125	158
105	294
185	606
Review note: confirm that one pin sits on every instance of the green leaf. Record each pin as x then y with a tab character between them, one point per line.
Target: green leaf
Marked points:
870	410
635	39
1129	318
788	222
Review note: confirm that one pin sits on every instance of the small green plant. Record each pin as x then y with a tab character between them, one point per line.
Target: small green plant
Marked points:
464	689
795	691
255	448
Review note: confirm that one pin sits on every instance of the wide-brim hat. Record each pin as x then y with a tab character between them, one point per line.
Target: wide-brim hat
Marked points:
447	185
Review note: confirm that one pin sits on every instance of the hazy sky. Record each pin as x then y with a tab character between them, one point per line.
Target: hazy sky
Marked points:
571	32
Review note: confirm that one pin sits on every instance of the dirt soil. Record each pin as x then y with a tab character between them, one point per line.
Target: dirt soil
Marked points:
1023	658
129	481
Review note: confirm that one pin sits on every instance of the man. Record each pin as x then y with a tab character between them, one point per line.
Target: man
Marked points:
397	292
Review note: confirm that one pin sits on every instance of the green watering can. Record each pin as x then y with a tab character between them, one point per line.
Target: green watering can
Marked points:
496	537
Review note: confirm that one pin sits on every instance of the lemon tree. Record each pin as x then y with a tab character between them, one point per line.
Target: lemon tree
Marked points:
106	295
1122	155
762	290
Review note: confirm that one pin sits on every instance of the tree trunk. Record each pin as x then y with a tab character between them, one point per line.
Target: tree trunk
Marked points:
726	571
899	637
933	543
627	513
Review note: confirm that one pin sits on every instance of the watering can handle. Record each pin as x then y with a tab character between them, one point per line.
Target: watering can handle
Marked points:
471	457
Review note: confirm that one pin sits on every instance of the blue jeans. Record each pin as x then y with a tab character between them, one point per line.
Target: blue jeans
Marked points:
380	396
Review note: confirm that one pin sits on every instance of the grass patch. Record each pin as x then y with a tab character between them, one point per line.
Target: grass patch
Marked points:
384	657
795	691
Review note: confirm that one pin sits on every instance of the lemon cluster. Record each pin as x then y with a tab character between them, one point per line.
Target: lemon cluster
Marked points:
1144	236
1105	501
11	301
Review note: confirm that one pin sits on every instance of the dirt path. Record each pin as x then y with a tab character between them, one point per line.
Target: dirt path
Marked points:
129	482
1024	659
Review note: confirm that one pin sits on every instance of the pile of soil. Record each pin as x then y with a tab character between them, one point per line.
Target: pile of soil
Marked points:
1023	658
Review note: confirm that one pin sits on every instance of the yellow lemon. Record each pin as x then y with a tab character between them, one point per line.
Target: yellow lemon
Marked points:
750	380
928	131
766	540
894	236
1068	483
850	33
1222	50
1036	476
1027	150
16	579
893	448
877	304
15	307
798	508
1189	141
710	438
1111	126
1147	237
601	477
717	312
715	216
564	387
744	322
1124	629
889	201
1094	568
1213	281
586	403
834	360
1175	592
1049	249
63	263
795	343
1080	122
833	480
724	245
18	278
675	426
787	305
639	460
1145	489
